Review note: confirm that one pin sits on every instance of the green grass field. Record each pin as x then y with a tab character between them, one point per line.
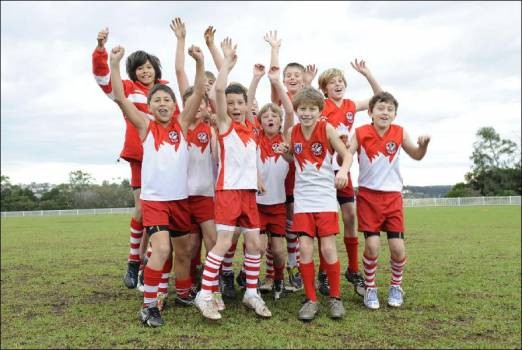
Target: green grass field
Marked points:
61	288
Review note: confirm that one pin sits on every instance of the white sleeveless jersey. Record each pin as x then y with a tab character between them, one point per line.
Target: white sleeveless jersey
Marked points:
314	189
165	163
379	158
273	169
200	167
237	158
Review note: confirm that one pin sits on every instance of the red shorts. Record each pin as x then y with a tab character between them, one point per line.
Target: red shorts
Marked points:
379	211
201	210
236	208
174	214
272	218
316	224
135	181
346	193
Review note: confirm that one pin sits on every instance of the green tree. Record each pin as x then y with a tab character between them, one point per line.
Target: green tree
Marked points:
460	190
496	166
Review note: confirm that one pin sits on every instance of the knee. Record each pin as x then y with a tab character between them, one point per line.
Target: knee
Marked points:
163	252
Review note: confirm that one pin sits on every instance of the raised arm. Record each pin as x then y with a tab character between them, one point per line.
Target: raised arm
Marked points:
259	71
416	151
309	75
100	67
361	68
214	50
341	178
127	107
275	44
188	115
178	27
274	75
230	58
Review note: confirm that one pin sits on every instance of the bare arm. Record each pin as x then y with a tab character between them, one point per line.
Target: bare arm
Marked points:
376	88
188	115
214	50
341	178
259	71
275	81
309	75
229	52
128	108
416	151
178	27
275	44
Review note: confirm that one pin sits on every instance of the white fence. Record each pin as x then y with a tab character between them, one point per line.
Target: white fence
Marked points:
408	203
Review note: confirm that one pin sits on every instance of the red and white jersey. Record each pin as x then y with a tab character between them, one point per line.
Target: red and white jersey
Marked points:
379	158
314	189
135	92
200	168
341	118
273	169
237	158
165	163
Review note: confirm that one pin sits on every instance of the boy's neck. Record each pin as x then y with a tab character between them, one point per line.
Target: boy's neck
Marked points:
338	102
307	130
381	131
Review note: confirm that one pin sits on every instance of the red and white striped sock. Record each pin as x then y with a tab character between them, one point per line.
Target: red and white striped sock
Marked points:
183	287
151	280
269	262
292	248
228	258
397	269
252	265
370	269
164	283
136	231
210	278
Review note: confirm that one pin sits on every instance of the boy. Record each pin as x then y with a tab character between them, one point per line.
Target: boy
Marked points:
340	112
164	192
144	71
235	197
313	143
379	200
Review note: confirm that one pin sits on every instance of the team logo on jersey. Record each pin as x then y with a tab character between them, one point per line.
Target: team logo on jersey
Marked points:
174	137
298	148
391	147
317	149
203	137
276	148
349	116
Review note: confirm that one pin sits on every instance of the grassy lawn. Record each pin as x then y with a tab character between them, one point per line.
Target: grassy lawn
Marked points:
61	287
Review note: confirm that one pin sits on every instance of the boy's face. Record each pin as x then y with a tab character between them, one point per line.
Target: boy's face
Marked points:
146	74
335	88
162	106
208	84
255	107
271	122
308	114
236	107
203	111
293	80
383	114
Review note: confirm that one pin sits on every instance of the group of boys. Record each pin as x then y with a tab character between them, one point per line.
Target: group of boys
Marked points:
284	171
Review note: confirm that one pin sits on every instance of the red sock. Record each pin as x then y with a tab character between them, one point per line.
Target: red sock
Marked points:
151	280
334	278
397	269
210	275
352	244
370	268
279	273
164	283
183	287
229	257
308	276
269	262
136	231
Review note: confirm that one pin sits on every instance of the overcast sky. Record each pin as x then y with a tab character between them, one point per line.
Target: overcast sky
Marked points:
453	66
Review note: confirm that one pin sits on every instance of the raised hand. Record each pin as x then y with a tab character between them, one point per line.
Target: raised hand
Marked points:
423	141
309	74
196	53
274	73
178	27
361	67
271	38
229	51
117	53
209	35
103	36
259	70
